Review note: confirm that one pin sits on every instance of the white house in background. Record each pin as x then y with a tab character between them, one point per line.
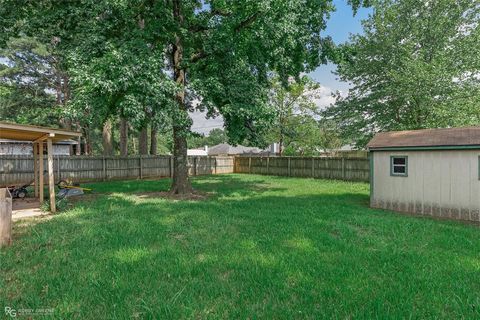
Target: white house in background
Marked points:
224	149
14	147
434	172
198	152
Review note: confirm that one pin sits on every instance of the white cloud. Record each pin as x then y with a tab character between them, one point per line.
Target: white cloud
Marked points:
324	97
203	125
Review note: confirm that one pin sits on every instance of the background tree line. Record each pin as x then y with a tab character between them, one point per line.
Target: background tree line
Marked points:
127	73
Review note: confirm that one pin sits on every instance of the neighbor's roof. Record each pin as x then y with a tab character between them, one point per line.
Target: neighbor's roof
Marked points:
24	132
449	138
225	148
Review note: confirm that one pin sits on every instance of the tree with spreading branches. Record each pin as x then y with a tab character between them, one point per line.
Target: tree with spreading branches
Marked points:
212	55
415	66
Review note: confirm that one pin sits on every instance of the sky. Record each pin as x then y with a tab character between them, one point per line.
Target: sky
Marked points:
342	23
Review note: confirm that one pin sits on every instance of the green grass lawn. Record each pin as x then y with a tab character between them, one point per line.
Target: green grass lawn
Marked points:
259	247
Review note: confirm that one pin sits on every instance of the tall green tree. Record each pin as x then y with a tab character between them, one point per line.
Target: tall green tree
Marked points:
215	51
416	66
31	89
223	52
295	126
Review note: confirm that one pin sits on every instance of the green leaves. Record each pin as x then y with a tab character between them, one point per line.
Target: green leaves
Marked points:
416	66
28	77
297	127
118	55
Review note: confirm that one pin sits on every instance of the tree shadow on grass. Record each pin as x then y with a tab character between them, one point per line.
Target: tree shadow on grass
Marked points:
321	254
216	185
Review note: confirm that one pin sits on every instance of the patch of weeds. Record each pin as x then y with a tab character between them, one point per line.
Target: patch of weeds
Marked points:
61	205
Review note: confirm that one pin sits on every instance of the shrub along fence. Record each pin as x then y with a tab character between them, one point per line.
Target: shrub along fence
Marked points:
351	169
19	169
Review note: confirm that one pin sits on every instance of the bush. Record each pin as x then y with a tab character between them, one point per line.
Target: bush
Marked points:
61	205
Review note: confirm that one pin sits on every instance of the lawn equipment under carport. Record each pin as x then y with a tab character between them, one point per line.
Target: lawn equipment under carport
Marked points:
19	192
69	188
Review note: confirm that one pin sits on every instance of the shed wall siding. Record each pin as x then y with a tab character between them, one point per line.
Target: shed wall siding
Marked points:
439	183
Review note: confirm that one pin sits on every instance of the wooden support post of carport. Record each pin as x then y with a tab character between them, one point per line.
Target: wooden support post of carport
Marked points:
35	168
40	171
51	179
51	182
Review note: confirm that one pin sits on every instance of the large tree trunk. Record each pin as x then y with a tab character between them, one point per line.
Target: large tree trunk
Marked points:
87	146
143	141
107	138
153	140
180	184
123	137
280	146
63	96
78	150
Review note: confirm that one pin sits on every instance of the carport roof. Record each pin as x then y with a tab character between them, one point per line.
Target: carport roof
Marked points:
24	132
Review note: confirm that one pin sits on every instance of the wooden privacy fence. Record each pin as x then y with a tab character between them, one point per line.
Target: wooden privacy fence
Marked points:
19	169
351	169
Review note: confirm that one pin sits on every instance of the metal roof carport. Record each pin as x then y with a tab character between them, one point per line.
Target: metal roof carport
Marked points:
38	135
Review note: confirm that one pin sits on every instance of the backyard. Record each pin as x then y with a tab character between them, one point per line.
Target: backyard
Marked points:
249	246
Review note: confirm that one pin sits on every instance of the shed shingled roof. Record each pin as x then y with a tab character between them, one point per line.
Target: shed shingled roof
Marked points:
448	137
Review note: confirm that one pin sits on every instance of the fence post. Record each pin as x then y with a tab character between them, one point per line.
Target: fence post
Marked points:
343	168
313	167
249	164
140	169
171	166
268	164
289	167
104	168
215	164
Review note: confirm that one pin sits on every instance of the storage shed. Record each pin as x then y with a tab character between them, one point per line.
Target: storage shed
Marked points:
434	172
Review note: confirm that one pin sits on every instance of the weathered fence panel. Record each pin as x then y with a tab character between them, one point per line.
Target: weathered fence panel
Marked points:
19	169
224	165
341	168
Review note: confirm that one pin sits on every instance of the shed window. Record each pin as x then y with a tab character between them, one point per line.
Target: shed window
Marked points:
399	166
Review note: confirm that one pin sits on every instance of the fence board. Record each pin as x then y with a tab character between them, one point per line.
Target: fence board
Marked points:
348	168
19	169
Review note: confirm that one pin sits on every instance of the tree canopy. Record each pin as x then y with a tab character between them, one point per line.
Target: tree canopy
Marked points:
30	91
142	58
416	66
297	125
